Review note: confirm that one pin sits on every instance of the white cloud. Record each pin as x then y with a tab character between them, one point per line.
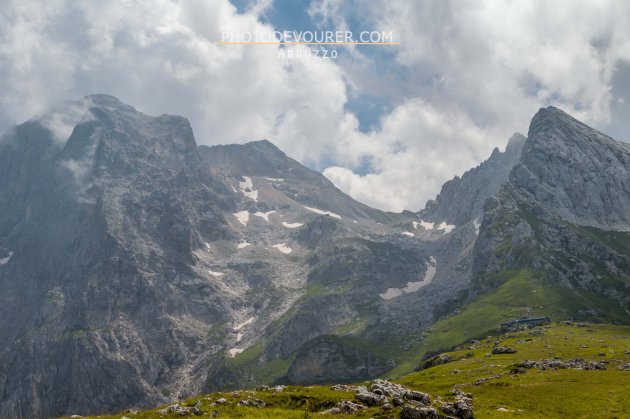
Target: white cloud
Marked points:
162	57
467	75
418	148
481	69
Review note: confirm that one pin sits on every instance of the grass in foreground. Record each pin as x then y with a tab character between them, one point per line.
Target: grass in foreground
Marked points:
534	393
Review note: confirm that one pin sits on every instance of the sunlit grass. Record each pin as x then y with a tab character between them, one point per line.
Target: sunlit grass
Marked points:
535	393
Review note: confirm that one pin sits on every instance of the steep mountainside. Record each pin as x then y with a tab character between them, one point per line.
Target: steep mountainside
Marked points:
133	260
564	216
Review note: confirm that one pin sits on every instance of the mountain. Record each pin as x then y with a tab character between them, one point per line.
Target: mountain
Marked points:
563	217
135	261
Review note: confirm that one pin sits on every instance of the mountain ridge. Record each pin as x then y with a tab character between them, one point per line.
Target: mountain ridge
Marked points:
160	269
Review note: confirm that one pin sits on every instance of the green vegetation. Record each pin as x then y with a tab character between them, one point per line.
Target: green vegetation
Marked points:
520	294
263	372
539	393
617	240
496	390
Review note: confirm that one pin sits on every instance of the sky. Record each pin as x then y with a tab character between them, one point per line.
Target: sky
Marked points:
388	124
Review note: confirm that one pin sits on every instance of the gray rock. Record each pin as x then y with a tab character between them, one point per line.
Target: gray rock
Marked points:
558	363
503	350
413	412
461	200
252	402
434	361
371	399
345	406
418	396
625	367
181	410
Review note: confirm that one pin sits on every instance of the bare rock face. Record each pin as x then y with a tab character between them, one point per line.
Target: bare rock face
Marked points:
575	172
131	259
97	293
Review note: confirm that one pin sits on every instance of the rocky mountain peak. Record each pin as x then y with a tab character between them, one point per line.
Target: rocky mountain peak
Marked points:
115	139
461	199
108	101
552	124
575	171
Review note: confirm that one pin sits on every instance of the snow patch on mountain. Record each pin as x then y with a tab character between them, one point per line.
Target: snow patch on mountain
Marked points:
446	227
235	351
477	224
322	212
264	215
424	224
242	217
292	225
247	188
215	273
5	260
245	323
242	245
407	233
413	286
283	248
274	179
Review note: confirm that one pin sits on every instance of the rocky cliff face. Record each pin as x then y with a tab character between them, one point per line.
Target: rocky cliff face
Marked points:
102	288
563	215
579	174
461	200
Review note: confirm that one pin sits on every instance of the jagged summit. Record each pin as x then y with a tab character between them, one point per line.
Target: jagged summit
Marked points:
575	171
461	199
108	101
552	123
264	145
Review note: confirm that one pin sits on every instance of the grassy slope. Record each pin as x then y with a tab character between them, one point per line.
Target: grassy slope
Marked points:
520	295
559	393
